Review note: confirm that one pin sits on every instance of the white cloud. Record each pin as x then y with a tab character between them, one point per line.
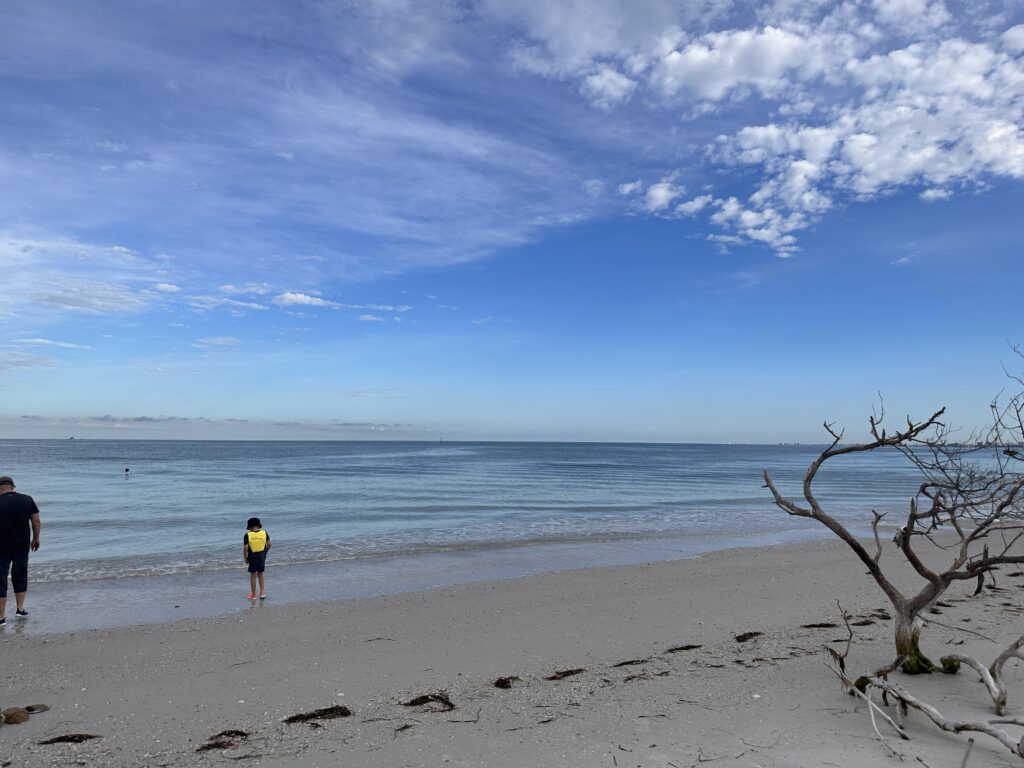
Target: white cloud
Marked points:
1013	39
12	360
60	275
867	98
296	299
593	187
720	62
166	288
906	261
912	16
660	196
371	319
74	295
934	194
697	204
51	343
943	115
482	320
379	307
764	225
205	303
216	341
251	288
607	88
565	37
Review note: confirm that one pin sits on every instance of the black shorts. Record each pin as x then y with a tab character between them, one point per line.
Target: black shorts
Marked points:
257	562
17	565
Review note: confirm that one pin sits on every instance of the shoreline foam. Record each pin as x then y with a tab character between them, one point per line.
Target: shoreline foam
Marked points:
81	604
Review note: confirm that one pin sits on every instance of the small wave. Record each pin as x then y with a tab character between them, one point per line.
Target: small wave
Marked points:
339	553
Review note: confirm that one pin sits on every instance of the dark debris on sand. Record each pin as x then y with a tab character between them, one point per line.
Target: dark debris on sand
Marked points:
228	739
70	738
564	673
434	702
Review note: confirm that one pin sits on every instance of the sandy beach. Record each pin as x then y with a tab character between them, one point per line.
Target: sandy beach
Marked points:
661	680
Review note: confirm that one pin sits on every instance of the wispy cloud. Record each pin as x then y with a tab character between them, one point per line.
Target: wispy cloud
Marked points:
380	307
907	260
51	343
70	294
255	289
65	275
205	303
296	299
12	360
217	341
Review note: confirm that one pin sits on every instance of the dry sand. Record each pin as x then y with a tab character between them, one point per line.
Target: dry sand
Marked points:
155	694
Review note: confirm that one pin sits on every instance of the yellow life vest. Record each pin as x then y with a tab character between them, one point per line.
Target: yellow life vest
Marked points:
257	541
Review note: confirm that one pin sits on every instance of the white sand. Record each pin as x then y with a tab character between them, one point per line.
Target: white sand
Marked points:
155	693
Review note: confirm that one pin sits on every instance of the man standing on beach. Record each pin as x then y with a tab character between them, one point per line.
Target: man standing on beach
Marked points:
17	513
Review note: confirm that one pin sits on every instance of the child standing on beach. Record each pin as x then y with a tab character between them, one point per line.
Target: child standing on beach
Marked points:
255	544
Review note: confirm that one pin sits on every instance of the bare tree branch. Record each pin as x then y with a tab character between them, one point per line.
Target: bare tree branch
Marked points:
966	494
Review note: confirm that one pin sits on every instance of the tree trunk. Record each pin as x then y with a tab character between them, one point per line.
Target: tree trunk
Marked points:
908	631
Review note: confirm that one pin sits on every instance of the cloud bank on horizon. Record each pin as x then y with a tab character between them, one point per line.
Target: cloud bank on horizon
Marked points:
259	159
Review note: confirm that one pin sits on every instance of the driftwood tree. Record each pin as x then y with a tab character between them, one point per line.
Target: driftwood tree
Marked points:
904	700
968	507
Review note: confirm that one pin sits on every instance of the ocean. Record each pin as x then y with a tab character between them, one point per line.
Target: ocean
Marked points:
352	519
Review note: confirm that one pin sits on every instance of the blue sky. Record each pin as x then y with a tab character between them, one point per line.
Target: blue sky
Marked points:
571	219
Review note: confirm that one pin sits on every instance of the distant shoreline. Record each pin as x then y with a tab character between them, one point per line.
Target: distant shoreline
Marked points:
429	441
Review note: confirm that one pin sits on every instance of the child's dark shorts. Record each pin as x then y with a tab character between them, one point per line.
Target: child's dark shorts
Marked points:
257	562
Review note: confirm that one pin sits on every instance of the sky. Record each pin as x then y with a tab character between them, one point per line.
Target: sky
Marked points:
624	220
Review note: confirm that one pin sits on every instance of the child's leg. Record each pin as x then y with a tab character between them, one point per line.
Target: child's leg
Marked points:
252	584
263	586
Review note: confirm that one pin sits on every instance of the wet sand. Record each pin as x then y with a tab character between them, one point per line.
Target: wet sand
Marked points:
661	680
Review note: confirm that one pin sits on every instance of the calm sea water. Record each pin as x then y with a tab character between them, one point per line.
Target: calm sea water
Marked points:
352	518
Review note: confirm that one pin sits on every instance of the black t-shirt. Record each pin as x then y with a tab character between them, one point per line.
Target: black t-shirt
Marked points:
16	510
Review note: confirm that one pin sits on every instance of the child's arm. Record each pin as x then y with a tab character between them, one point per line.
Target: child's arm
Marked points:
267	548
245	548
